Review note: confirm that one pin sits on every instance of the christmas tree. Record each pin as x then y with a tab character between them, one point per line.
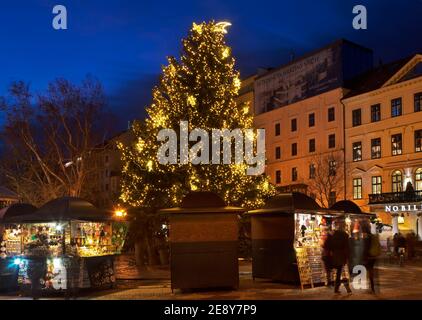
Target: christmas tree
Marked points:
200	88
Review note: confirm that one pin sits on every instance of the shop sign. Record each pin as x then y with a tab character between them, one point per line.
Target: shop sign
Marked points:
403	208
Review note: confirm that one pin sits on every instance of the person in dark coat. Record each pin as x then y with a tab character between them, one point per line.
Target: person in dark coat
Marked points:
37	269
372	250
340	251
327	258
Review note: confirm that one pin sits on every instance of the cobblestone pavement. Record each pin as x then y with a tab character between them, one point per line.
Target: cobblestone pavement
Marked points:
154	284
394	283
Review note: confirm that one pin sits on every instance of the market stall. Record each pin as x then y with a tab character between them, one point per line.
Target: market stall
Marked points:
287	234
72	241
10	243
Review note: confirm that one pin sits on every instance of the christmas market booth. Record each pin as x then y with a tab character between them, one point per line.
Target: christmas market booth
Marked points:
9	270
203	236
70	242
287	237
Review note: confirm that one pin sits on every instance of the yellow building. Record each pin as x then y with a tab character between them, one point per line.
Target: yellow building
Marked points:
383	150
299	106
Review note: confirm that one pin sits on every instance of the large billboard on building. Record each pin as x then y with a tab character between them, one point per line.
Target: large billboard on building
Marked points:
299	80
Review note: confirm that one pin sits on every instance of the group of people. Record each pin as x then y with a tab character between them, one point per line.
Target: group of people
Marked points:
339	250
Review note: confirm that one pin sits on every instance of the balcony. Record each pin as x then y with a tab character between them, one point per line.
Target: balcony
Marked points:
396	197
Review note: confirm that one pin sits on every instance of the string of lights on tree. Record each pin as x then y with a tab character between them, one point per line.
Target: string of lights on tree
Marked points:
200	88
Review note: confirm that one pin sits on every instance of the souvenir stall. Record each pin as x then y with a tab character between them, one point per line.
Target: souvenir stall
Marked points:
10	243
355	221
73	242
287	235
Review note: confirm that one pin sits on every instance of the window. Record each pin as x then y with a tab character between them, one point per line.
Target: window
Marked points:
418	141
312	171
312	145
357	151
294	125
357	188
331	141
294	174
418	179
311	120
376	148
278	153
278	177
332	198
294	149
397	181
377	185
376	113
332	168
396	144
331	114
418	102
277	129
396	107
357	117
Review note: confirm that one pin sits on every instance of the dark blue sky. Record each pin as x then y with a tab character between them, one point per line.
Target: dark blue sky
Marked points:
124	42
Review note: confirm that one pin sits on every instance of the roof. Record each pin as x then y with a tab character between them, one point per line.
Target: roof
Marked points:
338	42
202	202
348	207
8	194
375	78
16	210
66	209
289	203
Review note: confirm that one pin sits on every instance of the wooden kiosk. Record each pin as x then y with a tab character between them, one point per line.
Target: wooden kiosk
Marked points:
286	239
203	234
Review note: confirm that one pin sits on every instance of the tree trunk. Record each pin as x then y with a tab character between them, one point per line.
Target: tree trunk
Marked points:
140	253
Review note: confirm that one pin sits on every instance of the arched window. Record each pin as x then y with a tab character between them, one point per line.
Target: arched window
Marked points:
397	181
418	179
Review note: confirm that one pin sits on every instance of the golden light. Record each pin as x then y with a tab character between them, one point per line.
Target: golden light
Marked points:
222	26
120	213
401	219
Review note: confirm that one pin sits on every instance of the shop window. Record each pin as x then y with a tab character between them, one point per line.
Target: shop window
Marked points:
331	141
277	129
312	171
396	107
331	114
294	125
294	149
418	179
375	113
311	120
312	145
397	181
377	185
357	151
357	117
278	177
418	102
376	148
294	174
418	141
396	144
357	188
278	153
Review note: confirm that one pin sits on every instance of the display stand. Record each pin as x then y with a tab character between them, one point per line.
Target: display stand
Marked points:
305	272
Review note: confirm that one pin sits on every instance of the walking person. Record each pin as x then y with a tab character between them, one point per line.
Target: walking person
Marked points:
372	250
37	269
340	251
327	258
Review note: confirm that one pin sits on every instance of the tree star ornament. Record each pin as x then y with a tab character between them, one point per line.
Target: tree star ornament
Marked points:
222	27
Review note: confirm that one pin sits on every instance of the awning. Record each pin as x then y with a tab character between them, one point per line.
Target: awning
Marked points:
16	210
349	207
66	209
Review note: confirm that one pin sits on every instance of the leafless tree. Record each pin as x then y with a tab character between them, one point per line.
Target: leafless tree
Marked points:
327	180
49	138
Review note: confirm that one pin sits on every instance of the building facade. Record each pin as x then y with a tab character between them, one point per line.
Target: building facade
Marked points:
7	197
383	150
299	106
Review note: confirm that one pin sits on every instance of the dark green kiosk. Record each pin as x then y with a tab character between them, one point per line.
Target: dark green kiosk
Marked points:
278	231
203	236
